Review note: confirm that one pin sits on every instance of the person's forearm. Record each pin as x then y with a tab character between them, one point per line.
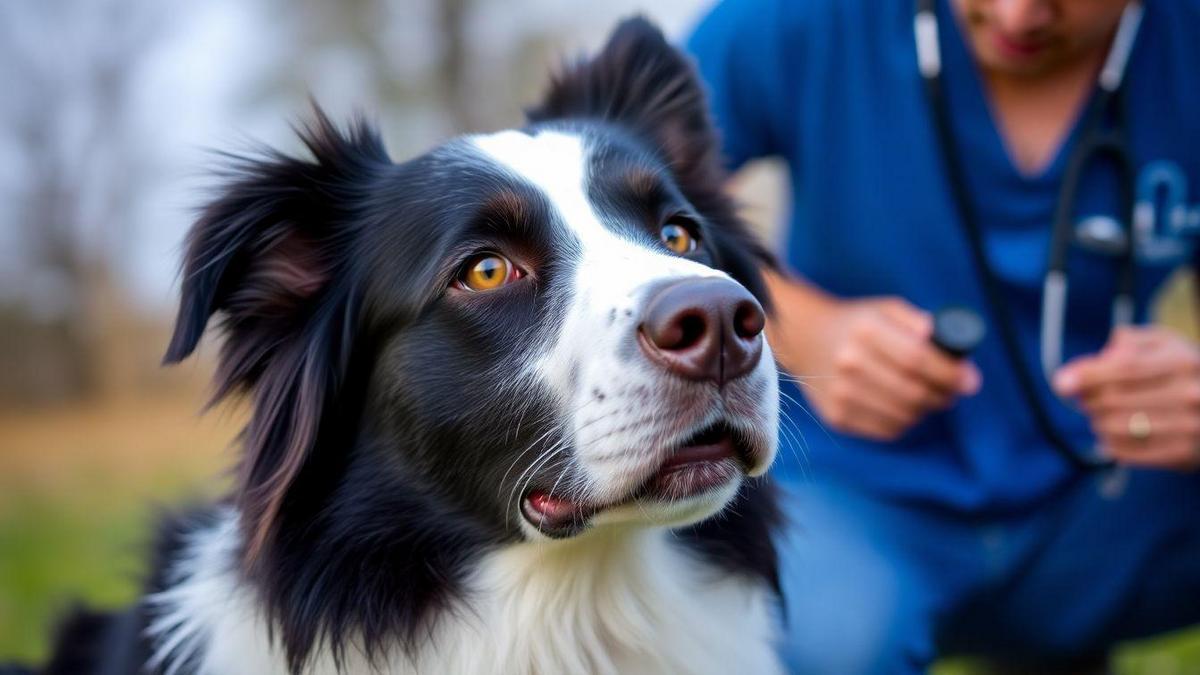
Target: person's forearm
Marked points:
798	304
798	294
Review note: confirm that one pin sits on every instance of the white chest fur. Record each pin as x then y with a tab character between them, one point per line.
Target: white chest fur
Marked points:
615	601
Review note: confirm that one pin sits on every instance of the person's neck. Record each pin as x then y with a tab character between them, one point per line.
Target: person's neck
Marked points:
1080	71
1035	111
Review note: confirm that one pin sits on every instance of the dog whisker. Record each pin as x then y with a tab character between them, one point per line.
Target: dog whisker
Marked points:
531	470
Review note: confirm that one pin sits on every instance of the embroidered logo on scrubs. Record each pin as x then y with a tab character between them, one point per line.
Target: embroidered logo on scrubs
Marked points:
1165	225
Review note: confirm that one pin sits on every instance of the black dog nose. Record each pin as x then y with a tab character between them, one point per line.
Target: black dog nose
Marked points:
704	329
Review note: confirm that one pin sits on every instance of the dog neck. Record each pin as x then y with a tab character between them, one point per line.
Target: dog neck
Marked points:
619	599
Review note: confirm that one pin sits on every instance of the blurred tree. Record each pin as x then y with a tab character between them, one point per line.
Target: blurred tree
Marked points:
67	65
411	61
452	71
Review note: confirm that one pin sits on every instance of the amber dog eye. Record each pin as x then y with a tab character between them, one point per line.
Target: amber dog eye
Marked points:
488	271
677	238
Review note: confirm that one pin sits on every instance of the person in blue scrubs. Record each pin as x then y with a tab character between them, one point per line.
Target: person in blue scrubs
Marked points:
928	513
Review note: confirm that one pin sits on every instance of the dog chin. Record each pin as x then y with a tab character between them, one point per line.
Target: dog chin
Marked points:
719	488
698	476
673	512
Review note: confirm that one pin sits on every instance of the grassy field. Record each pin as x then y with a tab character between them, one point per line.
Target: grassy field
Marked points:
80	487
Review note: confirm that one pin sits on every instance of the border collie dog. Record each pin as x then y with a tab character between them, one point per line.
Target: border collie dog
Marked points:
510	402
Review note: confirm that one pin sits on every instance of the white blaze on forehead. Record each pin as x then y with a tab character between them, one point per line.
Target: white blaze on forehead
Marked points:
556	163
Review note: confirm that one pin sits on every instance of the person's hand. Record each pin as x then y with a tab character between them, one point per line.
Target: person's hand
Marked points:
1142	395
867	366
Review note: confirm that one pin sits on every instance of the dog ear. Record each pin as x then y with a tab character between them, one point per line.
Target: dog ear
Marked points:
265	255
640	82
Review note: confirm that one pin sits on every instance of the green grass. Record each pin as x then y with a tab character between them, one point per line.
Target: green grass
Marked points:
81	488
57	550
58	553
1174	654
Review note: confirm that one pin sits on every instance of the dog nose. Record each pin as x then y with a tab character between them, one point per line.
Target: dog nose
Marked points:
704	329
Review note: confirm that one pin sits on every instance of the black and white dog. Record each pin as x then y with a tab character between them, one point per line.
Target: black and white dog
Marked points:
508	397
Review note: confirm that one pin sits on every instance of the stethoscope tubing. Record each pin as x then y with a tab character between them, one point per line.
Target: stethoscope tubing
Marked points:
1093	144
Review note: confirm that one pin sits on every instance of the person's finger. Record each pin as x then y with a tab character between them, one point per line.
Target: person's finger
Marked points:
1068	378
851	395
866	422
919	358
871	422
916	320
1161	426
1118	366
1135	337
1170	391
846	413
875	429
910	395
885	403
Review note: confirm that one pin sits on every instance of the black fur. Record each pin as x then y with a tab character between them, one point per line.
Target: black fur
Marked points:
739	539
374	466
88	638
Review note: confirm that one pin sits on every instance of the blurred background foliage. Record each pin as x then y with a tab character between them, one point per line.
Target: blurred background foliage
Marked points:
110	113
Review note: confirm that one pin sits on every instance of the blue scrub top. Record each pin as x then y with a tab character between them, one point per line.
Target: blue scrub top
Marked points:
832	87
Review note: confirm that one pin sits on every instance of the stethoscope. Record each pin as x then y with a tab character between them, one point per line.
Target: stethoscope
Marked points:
1101	234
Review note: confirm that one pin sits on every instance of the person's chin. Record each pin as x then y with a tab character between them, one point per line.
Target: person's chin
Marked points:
1006	62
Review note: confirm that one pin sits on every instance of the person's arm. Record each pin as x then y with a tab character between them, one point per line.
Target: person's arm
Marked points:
867	365
741	49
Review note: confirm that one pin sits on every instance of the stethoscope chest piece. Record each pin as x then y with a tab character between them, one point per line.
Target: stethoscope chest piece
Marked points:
1103	235
958	330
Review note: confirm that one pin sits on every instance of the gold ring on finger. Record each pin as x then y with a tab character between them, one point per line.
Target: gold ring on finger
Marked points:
1139	426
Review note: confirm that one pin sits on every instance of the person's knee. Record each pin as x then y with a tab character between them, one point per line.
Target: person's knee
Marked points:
842	631
848	607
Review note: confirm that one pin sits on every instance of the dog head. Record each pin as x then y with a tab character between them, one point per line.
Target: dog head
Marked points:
524	334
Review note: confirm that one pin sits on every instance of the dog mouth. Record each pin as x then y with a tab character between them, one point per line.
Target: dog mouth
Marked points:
707	460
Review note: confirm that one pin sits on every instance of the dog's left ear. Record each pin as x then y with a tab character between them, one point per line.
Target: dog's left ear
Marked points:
641	83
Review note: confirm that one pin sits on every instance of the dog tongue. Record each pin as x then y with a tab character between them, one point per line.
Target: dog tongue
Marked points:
552	509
